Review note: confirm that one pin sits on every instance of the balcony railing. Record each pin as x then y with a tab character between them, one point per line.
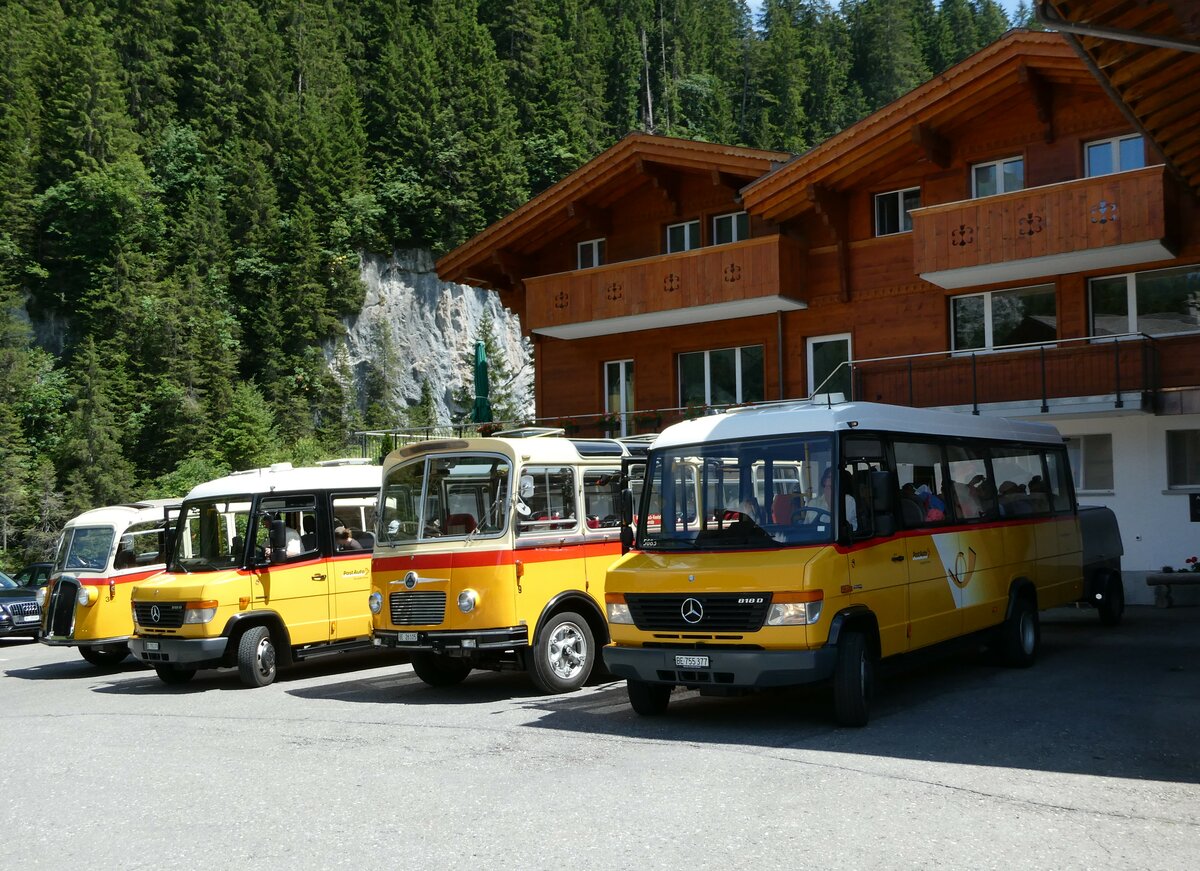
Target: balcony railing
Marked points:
1095	372
740	279
1088	223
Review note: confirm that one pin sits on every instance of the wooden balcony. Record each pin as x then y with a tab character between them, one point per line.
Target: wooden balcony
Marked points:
741	279
1089	223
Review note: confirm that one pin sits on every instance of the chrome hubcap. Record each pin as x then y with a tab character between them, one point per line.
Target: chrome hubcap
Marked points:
567	651
266	656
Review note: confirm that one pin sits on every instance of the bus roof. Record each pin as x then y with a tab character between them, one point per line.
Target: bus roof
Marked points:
123	515
282	477
805	416
543	449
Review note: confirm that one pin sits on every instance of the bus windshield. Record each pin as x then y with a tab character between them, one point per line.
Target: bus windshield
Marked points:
85	548
435	497
756	492
211	534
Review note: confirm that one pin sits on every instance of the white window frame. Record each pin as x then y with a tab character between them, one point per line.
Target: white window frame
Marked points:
737	372
691	236
624	400
732	217
1131	302
989	342
596	246
815	340
905	216
1114	148
998	165
1077	454
1186	486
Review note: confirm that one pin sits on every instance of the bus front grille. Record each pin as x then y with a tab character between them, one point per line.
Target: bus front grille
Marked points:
60	610
418	609
158	615
672	612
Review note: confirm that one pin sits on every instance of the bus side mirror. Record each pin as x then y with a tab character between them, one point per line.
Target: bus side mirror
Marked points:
626	507
626	538
278	541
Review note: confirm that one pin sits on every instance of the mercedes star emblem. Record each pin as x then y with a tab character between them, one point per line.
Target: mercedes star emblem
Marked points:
692	611
155	613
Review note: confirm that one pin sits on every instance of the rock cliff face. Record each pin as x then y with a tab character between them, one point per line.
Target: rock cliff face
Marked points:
418	327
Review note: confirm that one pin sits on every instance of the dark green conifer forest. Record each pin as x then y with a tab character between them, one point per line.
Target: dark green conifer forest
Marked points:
186	187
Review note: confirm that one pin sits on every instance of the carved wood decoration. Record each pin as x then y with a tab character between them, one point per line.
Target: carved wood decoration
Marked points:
1103	212
733	272
670	282
935	146
664	182
1030	224
962	235
831	208
562	299
1042	93
614	292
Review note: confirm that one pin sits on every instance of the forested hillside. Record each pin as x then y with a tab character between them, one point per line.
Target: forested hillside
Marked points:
186	187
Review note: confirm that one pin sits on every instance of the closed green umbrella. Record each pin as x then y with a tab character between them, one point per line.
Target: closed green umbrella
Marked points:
482	412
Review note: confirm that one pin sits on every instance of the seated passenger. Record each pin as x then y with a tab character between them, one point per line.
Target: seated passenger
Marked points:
308	541
343	540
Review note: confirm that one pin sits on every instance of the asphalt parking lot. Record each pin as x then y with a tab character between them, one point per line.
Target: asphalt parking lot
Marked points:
1088	760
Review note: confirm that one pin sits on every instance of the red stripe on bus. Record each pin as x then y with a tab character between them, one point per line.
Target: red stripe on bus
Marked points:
496	558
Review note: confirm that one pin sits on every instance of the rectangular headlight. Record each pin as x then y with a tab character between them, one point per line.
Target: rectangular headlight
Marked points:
618	611
795	609
199	612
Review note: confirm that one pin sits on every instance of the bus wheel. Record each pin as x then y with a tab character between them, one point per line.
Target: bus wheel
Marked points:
1020	635
109	656
173	674
256	657
563	653
1112	608
439	670
648	699
853	680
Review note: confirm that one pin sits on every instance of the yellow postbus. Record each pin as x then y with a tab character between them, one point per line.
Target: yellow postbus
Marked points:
890	530
262	573
491	554
102	553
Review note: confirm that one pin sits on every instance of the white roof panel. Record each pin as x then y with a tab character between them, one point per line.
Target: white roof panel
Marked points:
284	478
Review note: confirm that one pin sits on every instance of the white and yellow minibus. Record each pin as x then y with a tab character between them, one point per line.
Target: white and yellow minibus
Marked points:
491	554
890	529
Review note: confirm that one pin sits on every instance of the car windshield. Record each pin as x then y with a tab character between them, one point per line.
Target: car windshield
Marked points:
7	583
211	534
758	492
85	548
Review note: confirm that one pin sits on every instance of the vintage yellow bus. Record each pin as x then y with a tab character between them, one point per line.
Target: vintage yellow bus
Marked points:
268	567
892	529
491	554
102	553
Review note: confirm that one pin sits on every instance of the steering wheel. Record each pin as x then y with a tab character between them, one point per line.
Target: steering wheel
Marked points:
800	516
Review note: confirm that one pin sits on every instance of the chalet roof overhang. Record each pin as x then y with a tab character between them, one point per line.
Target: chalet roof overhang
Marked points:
1022	65
495	256
1146	54
677	317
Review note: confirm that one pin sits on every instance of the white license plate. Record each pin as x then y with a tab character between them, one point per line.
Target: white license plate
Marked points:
152	645
30	618
406	636
691	661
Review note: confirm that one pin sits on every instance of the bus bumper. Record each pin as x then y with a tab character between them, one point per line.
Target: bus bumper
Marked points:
178	651
454	642
753	669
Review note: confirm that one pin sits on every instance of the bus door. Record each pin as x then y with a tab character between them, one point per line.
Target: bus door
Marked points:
550	538
350	575
602	525
976	564
878	564
934	599
293	575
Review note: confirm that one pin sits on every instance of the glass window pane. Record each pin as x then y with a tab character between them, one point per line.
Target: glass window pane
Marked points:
628	387
723	376
985	181
887	214
1168	301
552	503
1097	462
1099	158
1110	306
1133	153
675	238
826	357
1014	175
1018	472
1183	458
722	230
974	493
691	379
966	313
753	389
923	495
1059	484
743	226
912	200
599	258
1024	315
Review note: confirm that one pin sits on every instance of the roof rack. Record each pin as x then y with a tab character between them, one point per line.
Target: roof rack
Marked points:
530	432
345	461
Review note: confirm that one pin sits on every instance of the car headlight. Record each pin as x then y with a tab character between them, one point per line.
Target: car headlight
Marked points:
467	600
41	597
199	612
375	602
795	609
86	595
618	611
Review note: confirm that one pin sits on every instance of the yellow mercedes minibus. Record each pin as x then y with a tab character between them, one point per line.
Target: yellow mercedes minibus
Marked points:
892	529
268	567
102	553
491	554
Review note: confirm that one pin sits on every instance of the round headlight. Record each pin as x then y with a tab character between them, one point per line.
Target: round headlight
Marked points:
467	600
375	602
41	596
86	595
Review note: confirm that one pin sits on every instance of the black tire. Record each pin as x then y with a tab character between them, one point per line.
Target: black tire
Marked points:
563	654
104	656
648	699
256	657
1112	608
1020	634
439	670
174	674
853	680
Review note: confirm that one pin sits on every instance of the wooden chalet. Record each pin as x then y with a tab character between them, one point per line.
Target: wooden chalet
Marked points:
1018	236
